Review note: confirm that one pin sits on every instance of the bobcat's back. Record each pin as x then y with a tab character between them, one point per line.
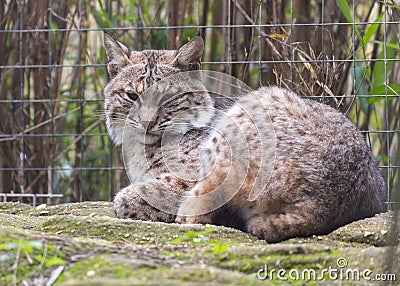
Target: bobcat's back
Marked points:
323	174
320	153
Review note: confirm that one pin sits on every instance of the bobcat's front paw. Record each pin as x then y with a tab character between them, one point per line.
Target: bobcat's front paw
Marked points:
128	204
198	219
181	219
190	206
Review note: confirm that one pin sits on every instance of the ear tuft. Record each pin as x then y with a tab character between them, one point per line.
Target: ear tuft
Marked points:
190	54
116	54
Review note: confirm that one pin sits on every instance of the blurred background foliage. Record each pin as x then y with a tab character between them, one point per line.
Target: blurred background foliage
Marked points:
52	69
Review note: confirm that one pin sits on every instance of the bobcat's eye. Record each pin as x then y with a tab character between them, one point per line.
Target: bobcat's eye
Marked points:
132	95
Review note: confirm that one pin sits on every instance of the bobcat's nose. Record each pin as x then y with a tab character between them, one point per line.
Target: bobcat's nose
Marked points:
148	124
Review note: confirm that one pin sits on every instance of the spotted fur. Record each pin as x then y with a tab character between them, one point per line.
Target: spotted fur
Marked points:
129	100
317	171
323	173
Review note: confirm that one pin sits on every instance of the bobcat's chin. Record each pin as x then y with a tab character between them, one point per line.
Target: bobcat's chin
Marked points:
149	138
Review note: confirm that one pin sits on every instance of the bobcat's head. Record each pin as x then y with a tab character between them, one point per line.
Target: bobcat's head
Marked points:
151	108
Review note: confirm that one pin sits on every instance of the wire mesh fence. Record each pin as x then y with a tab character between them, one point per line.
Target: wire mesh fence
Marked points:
53	138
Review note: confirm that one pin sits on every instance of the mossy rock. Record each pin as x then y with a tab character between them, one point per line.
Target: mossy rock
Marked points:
84	244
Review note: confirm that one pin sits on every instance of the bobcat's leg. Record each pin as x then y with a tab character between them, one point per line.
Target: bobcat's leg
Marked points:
207	199
129	204
275	227
198	206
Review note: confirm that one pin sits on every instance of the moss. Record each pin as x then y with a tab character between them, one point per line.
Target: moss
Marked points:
247	262
13	208
138	232
186	275
97	249
141	272
98	266
251	264
25	258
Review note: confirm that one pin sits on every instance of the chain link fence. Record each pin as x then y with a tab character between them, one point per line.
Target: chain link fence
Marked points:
53	139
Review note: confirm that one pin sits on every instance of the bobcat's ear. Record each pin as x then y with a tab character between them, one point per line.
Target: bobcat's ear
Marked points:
190	54
117	55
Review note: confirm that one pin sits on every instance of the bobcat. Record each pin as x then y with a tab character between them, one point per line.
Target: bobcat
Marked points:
274	164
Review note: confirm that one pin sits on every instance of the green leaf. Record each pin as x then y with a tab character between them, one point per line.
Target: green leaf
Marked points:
380	74
344	7
389	4
54	261
219	248
389	45
361	85
371	30
191	234
392	90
